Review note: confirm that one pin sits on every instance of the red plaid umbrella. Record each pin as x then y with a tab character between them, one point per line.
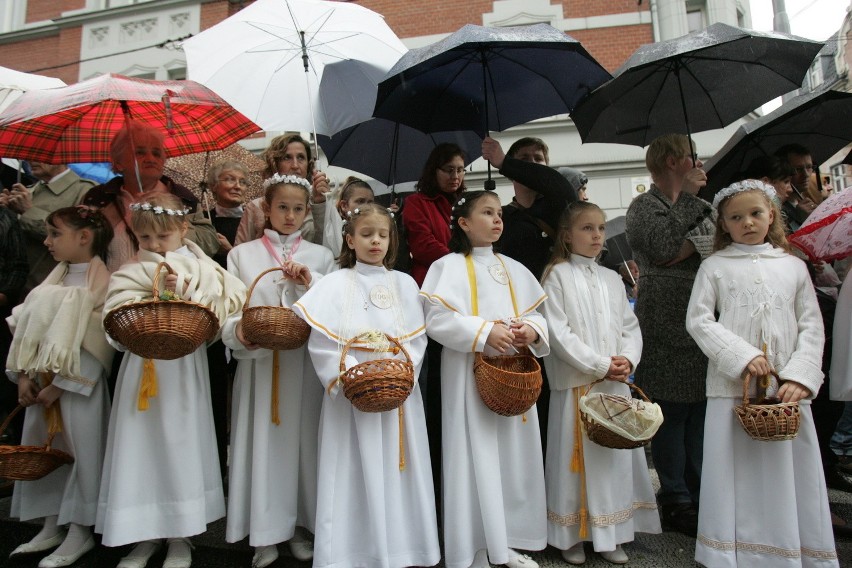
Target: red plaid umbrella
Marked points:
827	233
77	123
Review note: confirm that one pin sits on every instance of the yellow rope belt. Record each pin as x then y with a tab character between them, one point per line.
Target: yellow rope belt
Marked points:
578	464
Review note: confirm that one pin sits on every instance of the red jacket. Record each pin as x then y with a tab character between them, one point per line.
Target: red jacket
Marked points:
427	226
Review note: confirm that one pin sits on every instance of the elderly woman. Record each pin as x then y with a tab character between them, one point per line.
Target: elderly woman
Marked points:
288	154
671	231
140	145
227	181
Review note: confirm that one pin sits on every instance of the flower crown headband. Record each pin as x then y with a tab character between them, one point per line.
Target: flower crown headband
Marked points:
456	205
352	213
158	210
291	179
91	214
741	186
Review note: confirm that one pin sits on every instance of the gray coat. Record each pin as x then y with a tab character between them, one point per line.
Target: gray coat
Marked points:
673	368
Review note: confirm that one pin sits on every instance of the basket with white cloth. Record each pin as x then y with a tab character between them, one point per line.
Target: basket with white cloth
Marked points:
618	421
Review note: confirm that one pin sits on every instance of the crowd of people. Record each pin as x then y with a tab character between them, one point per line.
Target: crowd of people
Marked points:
269	439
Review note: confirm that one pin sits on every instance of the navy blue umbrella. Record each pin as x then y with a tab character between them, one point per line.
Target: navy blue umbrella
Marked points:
818	120
701	81
391	152
483	79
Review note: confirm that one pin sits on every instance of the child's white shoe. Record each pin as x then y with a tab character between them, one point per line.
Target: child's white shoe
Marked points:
480	560
264	556
301	547
617	556
575	555
179	554
139	556
39	546
520	560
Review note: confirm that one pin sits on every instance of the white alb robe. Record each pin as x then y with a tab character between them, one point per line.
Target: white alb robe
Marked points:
762	503
369	511
272	477
619	497
70	491
493	472
161	476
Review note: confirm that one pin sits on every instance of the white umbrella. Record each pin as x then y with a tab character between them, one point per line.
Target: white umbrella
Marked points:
267	60
14	83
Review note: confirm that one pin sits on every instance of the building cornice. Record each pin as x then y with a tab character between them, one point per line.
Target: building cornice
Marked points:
74	18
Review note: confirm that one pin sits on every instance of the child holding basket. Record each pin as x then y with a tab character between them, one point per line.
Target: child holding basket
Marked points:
762	502
60	359
277	398
161	472
595	494
375	502
493	473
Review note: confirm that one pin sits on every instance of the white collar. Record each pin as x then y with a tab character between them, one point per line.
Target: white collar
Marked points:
735	250
583	260
277	237
369	269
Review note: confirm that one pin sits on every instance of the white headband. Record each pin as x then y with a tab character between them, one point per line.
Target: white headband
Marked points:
295	180
157	210
740	186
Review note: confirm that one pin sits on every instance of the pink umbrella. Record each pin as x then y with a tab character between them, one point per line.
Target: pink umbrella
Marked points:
827	233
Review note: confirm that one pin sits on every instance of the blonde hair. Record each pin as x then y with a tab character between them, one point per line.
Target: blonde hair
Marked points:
661	148
562	248
157	216
775	236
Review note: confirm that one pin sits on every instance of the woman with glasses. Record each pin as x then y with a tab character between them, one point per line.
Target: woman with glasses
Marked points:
426	220
228	181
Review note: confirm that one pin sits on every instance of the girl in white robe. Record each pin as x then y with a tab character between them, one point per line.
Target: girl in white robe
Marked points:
376	501
161	476
493	472
594	493
762	503
275	422
61	375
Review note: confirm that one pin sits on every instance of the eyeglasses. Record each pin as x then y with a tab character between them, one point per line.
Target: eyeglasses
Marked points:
450	171
806	168
234	181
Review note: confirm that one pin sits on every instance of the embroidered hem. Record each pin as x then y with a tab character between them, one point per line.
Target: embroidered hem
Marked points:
767	549
599	520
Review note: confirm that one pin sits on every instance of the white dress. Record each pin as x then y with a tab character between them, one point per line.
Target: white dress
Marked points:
70	491
272	479
371	512
161	476
762	503
493	472
619	498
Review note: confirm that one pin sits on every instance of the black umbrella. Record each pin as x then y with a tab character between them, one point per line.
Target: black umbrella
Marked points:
373	148
848	159
701	81
818	120
485	79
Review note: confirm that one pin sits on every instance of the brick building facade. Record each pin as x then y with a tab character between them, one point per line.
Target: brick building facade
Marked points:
78	39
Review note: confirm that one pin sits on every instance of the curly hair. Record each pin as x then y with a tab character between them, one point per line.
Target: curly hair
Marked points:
274	153
347	256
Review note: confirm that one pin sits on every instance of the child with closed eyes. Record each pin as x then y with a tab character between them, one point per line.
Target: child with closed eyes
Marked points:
375	500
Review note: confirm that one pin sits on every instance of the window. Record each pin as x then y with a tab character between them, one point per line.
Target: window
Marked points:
695	20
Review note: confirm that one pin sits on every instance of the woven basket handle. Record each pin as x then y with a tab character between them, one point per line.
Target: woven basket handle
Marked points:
155	281
10	418
747	379
349	343
261	275
631	385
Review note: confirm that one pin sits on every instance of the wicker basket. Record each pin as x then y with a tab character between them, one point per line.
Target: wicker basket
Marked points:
770	422
599	432
26	463
509	385
273	327
378	385
161	329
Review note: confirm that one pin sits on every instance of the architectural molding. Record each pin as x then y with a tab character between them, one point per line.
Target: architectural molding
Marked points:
522	13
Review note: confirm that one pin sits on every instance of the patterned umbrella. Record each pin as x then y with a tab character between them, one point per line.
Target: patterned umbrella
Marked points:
77	123
827	233
191	169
